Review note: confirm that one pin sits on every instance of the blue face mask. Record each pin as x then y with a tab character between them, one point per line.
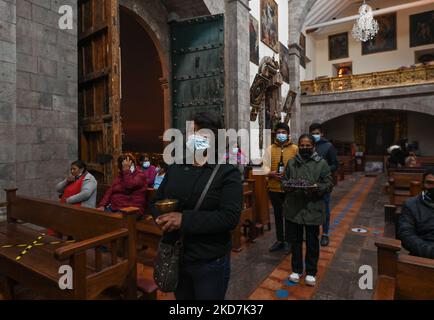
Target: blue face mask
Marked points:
146	164
317	137
282	137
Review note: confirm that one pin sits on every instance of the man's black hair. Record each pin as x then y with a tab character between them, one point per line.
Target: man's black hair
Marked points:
282	125
315	126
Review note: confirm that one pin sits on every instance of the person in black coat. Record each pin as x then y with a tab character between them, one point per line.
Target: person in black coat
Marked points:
416	222
205	265
328	152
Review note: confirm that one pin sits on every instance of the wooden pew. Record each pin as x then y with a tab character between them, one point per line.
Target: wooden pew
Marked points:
391	215
262	201
39	268
401	276
148	238
425	161
406	170
348	164
247	218
341	171
403	185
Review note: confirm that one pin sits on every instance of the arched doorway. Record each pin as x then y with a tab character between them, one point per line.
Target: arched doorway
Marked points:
142	94
374	131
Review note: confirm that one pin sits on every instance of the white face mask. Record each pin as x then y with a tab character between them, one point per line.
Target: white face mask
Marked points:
196	142
146	164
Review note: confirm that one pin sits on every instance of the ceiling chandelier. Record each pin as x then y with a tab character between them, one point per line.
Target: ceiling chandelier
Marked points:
366	27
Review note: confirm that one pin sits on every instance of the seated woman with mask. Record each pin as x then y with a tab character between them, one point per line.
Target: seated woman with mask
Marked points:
128	189
148	169
79	188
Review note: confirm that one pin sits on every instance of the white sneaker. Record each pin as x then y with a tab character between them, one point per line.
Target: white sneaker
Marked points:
310	281
294	277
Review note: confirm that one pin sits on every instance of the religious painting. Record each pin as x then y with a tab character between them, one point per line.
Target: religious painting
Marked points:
379	136
303	51
284	62
269	24
254	40
338	46
422	29
424	56
385	40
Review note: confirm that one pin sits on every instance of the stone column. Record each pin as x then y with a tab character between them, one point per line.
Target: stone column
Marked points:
8	80
237	86
294	84
297	12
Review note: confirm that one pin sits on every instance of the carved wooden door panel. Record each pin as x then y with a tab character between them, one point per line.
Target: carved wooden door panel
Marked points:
197	68
99	86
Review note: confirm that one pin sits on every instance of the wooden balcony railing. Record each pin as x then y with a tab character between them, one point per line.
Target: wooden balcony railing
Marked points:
367	81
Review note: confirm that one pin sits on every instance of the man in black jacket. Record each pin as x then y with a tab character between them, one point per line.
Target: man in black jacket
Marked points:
416	222
328	152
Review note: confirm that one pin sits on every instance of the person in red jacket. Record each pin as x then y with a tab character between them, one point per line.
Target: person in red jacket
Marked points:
128	189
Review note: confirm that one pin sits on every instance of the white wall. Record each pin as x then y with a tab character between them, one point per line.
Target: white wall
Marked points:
317	46
264	50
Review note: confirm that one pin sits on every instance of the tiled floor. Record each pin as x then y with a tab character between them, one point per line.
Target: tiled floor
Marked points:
357	202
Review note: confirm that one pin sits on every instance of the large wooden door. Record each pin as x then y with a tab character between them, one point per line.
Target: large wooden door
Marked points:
99	86
197	68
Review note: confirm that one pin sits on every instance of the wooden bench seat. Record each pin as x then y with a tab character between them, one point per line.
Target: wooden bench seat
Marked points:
425	161
247	223
347	163
91	230
401	276
402	185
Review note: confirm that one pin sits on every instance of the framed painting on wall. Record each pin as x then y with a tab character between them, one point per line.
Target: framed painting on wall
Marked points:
422	29
338	46
385	40
254	40
270	24
284	66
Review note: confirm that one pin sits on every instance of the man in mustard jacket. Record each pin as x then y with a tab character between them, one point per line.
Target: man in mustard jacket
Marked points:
281	151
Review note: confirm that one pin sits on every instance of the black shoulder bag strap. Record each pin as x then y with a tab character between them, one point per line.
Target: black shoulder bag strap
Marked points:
205	190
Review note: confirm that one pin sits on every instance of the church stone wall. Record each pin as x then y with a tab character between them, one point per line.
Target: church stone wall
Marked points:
38	96
7	94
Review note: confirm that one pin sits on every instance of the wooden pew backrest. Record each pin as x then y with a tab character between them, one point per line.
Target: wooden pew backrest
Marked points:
404	179
391	216
79	222
414	278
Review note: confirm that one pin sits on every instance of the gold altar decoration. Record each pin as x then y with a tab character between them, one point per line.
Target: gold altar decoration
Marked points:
380	117
367	81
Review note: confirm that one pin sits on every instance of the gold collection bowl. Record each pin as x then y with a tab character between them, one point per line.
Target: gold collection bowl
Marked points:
166	205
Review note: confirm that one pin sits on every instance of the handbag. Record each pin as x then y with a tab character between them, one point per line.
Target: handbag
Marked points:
166	264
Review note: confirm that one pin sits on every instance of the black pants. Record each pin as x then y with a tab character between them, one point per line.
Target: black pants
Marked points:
312	248
277	199
203	280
